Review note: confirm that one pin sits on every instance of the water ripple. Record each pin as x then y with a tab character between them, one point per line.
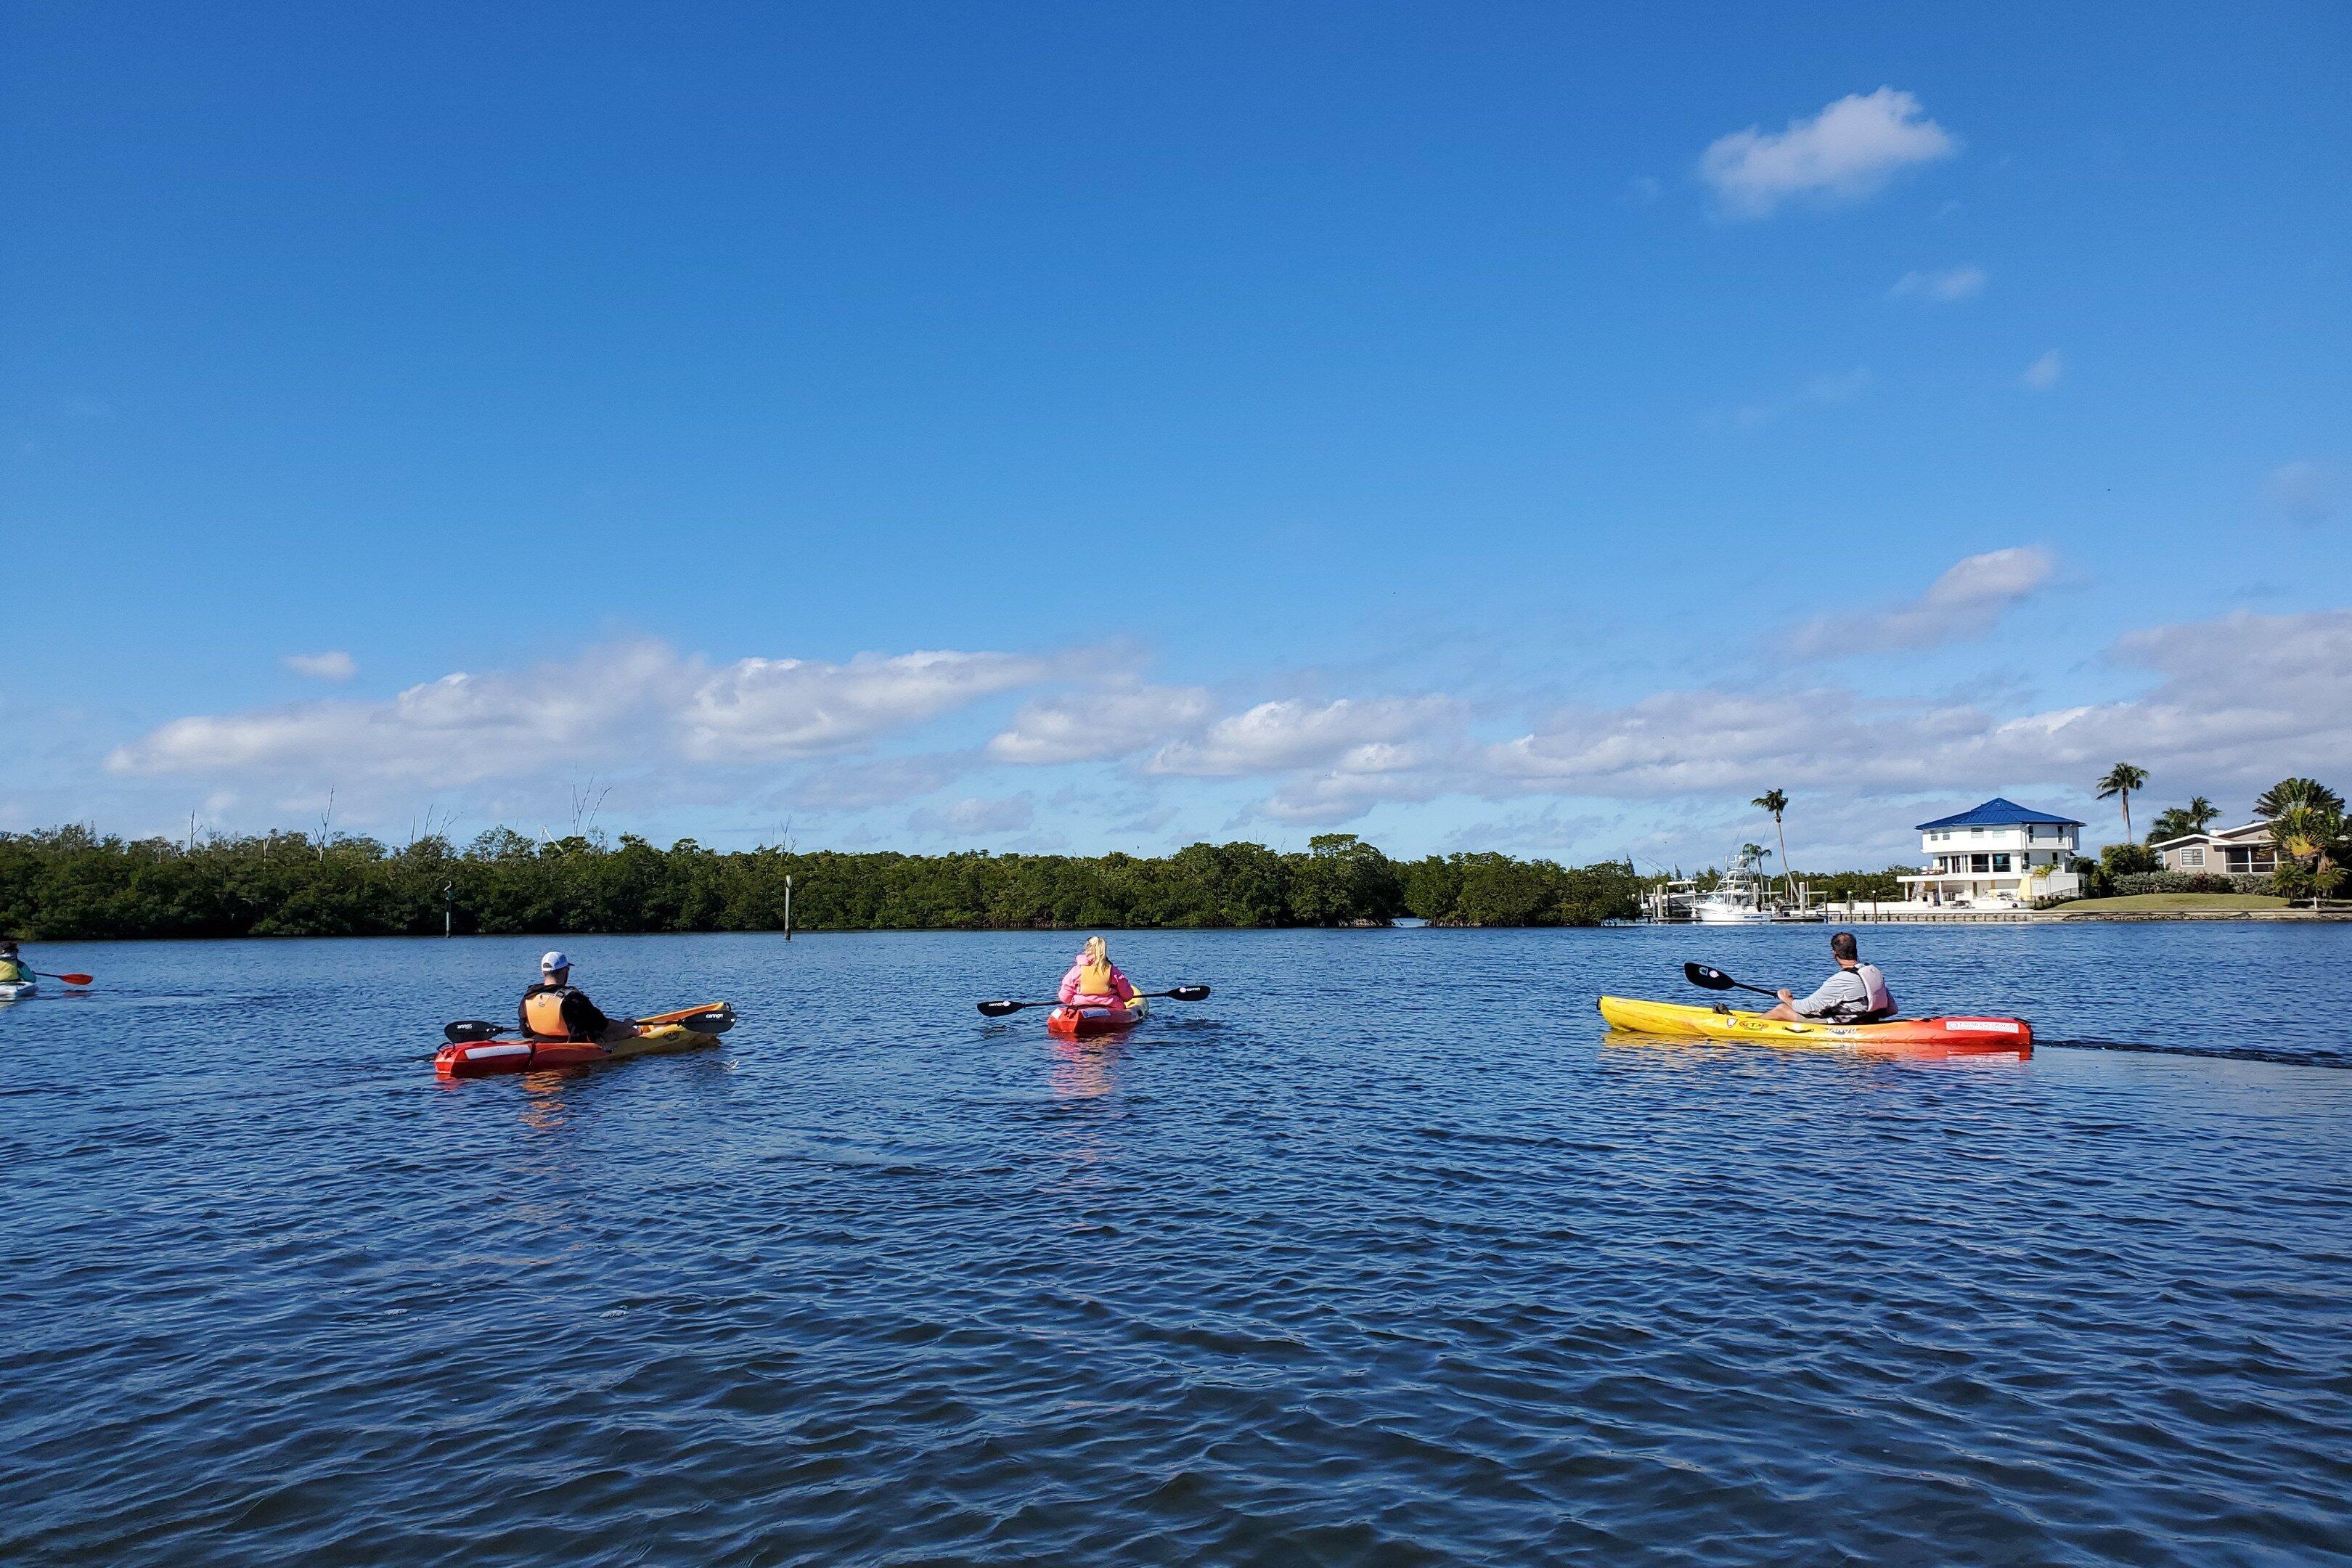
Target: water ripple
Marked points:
1295	1278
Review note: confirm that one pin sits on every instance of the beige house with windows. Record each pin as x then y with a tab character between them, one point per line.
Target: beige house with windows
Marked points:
2000	855
2238	852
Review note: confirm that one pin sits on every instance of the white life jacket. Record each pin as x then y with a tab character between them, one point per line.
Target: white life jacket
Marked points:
1881	1001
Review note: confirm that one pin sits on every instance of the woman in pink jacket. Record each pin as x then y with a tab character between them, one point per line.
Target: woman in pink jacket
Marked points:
1094	981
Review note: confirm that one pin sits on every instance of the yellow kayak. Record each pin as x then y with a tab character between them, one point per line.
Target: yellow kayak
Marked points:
1896	1037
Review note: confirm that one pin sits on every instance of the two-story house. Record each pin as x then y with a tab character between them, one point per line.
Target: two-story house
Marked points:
1999	853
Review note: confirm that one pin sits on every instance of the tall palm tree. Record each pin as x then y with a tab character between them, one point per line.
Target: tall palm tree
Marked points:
2288	793
2201	813
1773	800
2121	780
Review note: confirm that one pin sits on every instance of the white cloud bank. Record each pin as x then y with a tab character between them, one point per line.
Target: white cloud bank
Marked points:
610	705
1096	724
2246	697
1849	151
2243	699
1966	602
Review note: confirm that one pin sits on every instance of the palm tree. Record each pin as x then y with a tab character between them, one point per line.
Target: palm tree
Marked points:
2181	821
2121	780
2287	793
1773	800
2316	834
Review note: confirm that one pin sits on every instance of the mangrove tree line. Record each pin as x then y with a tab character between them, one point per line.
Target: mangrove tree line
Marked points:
69	883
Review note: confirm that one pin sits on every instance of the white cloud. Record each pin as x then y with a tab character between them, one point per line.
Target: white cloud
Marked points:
762	709
1099	723
974	816
2043	373
2246	698
1365	736
332	665
2305	491
1849	151
1965	602
1946	287
612	705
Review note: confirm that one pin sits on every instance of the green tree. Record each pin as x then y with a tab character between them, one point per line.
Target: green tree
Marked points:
2181	821
1775	802
2121	780
2296	792
2310	838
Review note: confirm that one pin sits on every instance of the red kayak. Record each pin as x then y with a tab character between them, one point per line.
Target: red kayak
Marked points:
1086	1023
513	1053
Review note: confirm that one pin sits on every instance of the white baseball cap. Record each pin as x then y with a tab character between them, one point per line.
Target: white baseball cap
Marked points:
553	962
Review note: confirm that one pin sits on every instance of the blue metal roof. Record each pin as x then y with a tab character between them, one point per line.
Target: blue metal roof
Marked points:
1996	813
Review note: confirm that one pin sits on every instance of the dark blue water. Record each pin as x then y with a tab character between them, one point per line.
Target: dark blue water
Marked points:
1385	1254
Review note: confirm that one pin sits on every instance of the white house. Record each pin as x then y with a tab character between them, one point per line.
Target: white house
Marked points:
1999	852
2247	849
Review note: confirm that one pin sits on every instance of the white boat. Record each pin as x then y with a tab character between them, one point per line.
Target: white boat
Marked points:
1741	899
12	989
1729	907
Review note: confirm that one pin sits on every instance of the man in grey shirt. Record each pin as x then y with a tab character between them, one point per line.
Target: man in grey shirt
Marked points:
1856	994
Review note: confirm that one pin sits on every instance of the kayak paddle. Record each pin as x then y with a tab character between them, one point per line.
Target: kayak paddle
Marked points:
1002	1009
1707	979
68	979
711	1019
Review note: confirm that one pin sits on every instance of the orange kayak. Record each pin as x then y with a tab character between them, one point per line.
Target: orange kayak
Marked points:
1896	1037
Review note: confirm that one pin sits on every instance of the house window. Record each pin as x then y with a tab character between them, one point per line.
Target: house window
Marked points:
2192	856
1979	862
2000	862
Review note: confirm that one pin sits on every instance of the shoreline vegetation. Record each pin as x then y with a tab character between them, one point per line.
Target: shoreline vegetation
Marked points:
69	883
72	884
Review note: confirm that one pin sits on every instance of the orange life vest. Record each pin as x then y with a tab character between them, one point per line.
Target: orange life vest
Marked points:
542	1013
1095	979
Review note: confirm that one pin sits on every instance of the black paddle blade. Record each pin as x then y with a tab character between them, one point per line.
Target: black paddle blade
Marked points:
718	1021
1700	975
467	1031
1189	994
1002	1009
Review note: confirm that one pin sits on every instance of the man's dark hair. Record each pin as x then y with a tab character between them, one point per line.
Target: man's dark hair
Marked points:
1843	946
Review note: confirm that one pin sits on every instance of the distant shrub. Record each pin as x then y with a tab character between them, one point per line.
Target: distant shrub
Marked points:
2186	883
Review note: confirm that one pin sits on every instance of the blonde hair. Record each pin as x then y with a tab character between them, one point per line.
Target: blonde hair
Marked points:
1096	950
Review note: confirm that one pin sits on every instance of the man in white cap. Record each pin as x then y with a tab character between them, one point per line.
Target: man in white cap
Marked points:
552	1010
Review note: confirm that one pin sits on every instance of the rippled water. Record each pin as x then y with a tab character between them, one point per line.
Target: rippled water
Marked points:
1385	1254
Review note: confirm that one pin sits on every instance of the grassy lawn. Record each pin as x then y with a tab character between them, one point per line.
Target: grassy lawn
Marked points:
2173	901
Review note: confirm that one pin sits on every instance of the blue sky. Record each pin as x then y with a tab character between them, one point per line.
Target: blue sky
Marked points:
1107	427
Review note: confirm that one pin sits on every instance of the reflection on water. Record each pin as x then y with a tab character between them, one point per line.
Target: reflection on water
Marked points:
1385	1253
1083	1069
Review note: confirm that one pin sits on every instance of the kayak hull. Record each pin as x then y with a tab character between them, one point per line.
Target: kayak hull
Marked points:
10	990
2010	1037
1088	1023
513	1054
